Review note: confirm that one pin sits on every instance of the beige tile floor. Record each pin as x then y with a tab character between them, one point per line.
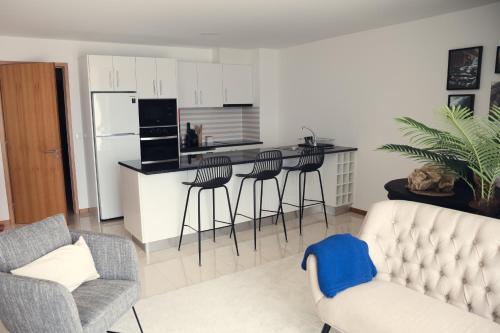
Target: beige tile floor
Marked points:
169	269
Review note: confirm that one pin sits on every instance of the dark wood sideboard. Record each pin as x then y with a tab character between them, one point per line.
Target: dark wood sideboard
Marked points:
396	190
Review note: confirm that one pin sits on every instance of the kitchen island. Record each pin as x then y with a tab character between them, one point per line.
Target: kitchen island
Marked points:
154	197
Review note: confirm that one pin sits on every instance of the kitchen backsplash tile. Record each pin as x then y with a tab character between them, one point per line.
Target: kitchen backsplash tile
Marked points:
223	123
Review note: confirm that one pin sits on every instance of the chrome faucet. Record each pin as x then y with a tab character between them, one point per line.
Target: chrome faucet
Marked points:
314	142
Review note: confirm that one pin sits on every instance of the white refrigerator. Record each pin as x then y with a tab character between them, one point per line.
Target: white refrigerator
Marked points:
116	131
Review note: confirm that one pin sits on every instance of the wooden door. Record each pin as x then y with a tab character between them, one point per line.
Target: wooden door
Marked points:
33	142
146	77
209	85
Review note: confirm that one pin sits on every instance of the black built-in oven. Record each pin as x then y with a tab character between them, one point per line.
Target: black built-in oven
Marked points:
159	131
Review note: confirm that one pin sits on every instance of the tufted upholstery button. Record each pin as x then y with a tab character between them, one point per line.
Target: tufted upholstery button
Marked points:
464	281
436	251
457	257
487	289
452	237
407	281
474	242
469	306
441	273
422	265
481	264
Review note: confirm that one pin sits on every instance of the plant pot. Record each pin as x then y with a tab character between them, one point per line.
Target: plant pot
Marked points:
484	207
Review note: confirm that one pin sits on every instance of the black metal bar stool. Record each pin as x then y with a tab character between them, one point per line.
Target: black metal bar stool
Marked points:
267	166
310	160
212	173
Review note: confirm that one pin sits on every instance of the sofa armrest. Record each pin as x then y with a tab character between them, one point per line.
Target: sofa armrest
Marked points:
115	257
31	305
312	278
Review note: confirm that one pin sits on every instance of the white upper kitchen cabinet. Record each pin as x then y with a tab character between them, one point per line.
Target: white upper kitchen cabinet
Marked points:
100	73
124	75
166	77
145	69
110	73
237	84
188	85
209	85
156	77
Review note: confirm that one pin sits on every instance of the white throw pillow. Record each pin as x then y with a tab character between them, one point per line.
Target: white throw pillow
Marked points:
69	265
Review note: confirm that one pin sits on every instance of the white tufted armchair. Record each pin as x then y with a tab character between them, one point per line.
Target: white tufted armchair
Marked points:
438	271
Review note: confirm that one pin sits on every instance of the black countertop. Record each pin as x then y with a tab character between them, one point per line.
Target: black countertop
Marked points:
190	162
220	144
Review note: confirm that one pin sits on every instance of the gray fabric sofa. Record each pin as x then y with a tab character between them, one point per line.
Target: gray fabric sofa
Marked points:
31	305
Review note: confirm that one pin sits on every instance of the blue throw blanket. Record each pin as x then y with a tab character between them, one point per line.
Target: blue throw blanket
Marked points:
343	262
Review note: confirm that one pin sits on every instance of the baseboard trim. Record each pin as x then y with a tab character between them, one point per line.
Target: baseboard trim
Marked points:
4	224
240	226
358	211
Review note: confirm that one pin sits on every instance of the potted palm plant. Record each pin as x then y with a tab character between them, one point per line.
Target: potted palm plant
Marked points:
469	145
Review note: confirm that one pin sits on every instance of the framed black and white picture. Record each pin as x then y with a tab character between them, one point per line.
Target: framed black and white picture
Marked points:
466	101
464	68
495	94
497	62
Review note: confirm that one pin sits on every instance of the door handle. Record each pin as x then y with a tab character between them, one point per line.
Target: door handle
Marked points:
161	87
154	87
195	98
156	138
225	94
110	78
117	78
201	97
56	153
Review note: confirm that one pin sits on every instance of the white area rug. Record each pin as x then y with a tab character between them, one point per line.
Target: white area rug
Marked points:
273	297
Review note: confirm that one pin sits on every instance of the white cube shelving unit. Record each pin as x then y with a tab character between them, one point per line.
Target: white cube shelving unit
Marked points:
345	178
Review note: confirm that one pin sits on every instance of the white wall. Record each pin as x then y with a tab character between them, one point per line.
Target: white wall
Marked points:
71	52
267	95
351	87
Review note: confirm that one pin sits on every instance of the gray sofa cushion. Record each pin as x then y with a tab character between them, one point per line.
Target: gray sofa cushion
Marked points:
101	302
21	246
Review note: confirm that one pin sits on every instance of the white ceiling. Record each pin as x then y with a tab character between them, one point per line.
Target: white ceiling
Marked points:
238	23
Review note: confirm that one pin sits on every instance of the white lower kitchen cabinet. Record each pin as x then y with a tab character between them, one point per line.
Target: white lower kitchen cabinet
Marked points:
154	204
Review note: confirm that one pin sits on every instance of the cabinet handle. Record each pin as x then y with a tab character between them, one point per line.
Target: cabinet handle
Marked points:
110	79
225	94
195	98
154	88
161	87
117	79
201	97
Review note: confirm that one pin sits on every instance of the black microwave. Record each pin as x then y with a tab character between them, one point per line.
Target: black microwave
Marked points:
157	112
